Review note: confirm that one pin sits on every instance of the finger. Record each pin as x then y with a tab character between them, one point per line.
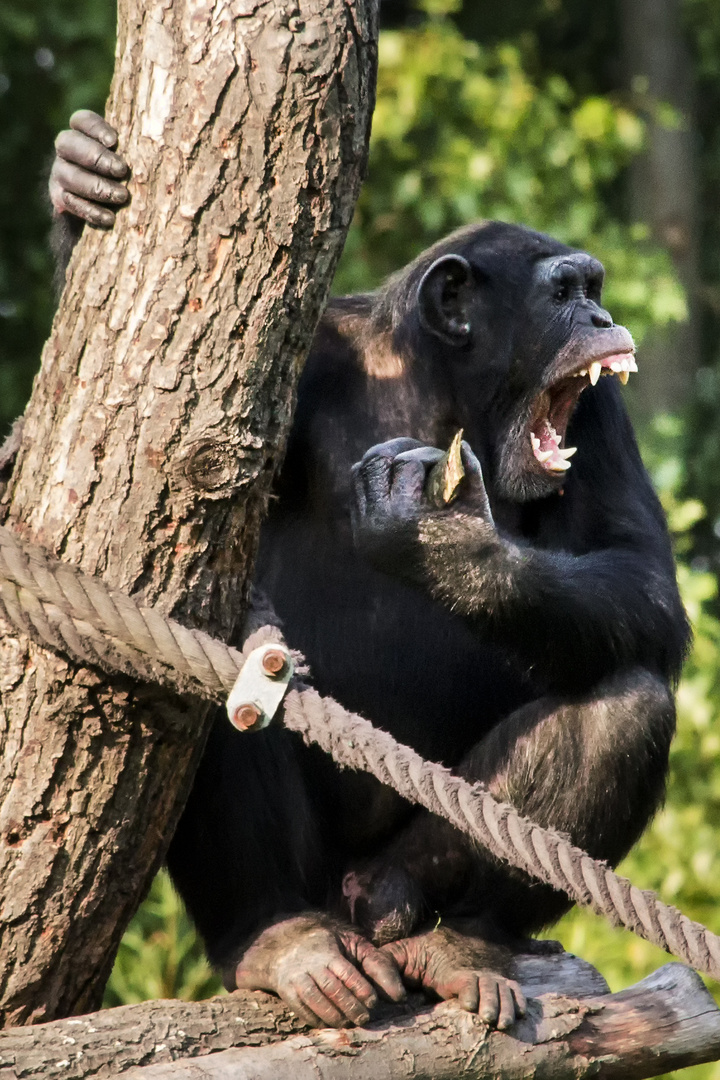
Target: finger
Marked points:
476	492
98	216
409	475
355	981
380	967
376	467
374	474
392	448
92	124
77	148
489	1003
506	1012
468	993
312	998
519	995
335	988
406	486
87	185
293	1000
360	505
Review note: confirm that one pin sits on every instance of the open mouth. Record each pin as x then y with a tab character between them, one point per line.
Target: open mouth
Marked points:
554	407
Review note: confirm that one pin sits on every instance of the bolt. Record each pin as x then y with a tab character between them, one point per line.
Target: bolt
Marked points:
246	717
273	662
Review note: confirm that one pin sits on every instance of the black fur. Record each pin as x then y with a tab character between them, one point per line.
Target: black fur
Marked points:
537	656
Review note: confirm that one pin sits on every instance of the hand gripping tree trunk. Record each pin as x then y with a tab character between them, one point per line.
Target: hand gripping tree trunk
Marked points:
149	443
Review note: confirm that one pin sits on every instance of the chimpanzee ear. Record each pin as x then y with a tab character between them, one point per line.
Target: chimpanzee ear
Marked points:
444	296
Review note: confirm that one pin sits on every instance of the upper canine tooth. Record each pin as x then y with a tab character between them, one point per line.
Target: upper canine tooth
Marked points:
568	451
594	371
623	376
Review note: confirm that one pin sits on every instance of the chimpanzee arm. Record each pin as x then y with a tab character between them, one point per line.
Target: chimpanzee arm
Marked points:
571	618
575	617
84	182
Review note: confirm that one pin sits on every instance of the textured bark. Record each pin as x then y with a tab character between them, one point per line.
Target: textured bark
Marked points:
575	1029
664	189
149	443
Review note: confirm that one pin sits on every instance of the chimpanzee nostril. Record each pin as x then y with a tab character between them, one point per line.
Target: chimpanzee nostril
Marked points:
601	319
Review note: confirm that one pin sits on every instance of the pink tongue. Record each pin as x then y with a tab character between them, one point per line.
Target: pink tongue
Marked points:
549	440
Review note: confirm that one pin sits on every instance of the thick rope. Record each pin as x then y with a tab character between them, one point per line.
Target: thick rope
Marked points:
74	613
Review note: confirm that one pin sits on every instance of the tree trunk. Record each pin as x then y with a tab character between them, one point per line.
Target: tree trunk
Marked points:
149	443
574	1029
664	188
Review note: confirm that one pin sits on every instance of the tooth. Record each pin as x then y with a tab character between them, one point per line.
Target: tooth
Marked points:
535	442
594	371
632	366
623	376
568	451
616	366
583	371
561	466
543	456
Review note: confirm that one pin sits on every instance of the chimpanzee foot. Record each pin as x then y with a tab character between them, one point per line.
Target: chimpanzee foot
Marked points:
450	965
327	973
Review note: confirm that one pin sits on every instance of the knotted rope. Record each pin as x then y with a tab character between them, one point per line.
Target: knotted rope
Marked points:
71	612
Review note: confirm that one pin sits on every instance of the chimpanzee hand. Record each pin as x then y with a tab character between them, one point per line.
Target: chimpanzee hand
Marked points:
319	968
85	172
453	965
388	501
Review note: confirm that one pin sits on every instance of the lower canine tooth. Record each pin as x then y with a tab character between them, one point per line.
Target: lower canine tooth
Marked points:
560	466
543	456
623	376
594	371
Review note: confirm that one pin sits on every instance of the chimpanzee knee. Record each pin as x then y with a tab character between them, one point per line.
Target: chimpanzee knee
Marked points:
593	767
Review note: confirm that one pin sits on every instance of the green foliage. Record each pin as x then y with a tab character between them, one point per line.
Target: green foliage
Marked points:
160	955
462	133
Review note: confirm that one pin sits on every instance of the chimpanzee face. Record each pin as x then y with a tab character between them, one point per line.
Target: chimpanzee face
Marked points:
518	317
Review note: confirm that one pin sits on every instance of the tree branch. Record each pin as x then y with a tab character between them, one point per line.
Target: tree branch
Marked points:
574	1028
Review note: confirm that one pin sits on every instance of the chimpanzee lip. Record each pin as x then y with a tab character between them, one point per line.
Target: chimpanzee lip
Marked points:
553	407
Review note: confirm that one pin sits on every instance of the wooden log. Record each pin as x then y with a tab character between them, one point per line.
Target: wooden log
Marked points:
574	1028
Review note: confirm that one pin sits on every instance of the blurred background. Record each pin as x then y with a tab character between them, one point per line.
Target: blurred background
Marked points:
597	123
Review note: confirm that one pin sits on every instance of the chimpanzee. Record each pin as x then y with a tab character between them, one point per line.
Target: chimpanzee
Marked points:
527	635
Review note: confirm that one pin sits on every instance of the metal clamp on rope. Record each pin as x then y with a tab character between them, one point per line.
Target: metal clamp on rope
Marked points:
260	687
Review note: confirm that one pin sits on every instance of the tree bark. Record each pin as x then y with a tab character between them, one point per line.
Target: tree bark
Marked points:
574	1028
664	188
149	443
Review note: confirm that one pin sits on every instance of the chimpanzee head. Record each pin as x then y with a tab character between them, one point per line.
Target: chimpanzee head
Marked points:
513	320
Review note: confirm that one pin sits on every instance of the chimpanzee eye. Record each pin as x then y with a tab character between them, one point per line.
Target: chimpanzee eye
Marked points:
560	295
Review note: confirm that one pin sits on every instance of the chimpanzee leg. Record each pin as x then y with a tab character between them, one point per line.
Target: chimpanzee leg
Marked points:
247	848
251	866
593	767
